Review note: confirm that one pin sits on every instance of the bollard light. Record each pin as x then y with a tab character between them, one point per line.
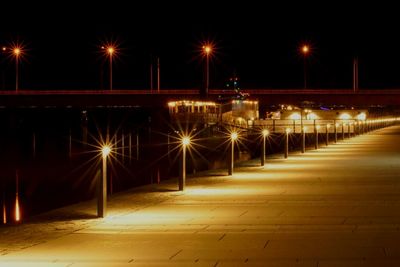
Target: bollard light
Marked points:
288	130
185	142
303	139
265	133
316	135
336	126
102	183
234	136
327	134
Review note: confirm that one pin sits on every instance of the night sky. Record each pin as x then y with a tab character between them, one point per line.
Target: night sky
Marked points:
258	42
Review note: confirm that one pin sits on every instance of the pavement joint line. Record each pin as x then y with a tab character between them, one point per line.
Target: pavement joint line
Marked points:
222	237
243	213
175	254
266	244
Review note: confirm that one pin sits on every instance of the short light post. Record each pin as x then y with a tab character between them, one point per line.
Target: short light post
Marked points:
265	133
234	136
102	184
349	129
336	126
287	132
327	134
303	139
185	142
342	130
316	132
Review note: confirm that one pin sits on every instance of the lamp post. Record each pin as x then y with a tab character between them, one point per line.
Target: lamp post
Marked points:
234	136
336	126
102	184
265	133
303	139
316	135
110	51
185	142
207	49
343	130
17	53
287	131
327	134
305	49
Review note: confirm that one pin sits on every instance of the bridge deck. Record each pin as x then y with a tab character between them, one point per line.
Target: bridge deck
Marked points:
96	98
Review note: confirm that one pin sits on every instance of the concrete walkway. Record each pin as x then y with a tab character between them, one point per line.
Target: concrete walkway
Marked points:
338	206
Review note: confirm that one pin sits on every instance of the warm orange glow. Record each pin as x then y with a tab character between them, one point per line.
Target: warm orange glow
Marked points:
265	132
318	127
305	49
17	51
288	130
4	48
207	49
110	50
17	209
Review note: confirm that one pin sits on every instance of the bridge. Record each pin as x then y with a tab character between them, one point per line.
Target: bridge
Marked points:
148	98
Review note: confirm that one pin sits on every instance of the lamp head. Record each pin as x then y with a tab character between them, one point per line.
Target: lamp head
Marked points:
185	140
105	150
234	136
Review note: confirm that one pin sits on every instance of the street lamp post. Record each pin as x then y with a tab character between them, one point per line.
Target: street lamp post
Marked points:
305	49
102	184
265	133
234	136
110	51
182	177
207	50
17	53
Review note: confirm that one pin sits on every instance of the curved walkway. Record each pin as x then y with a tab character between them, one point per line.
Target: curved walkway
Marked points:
338	206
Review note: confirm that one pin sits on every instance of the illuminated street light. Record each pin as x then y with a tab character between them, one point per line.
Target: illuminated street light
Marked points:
17	53
110	51
305	50
102	183
233	136
185	142
207	50
288	130
265	133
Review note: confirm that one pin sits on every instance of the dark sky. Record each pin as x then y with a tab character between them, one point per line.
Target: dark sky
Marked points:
257	40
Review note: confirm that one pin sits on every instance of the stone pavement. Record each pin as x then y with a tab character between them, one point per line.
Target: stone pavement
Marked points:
338	206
